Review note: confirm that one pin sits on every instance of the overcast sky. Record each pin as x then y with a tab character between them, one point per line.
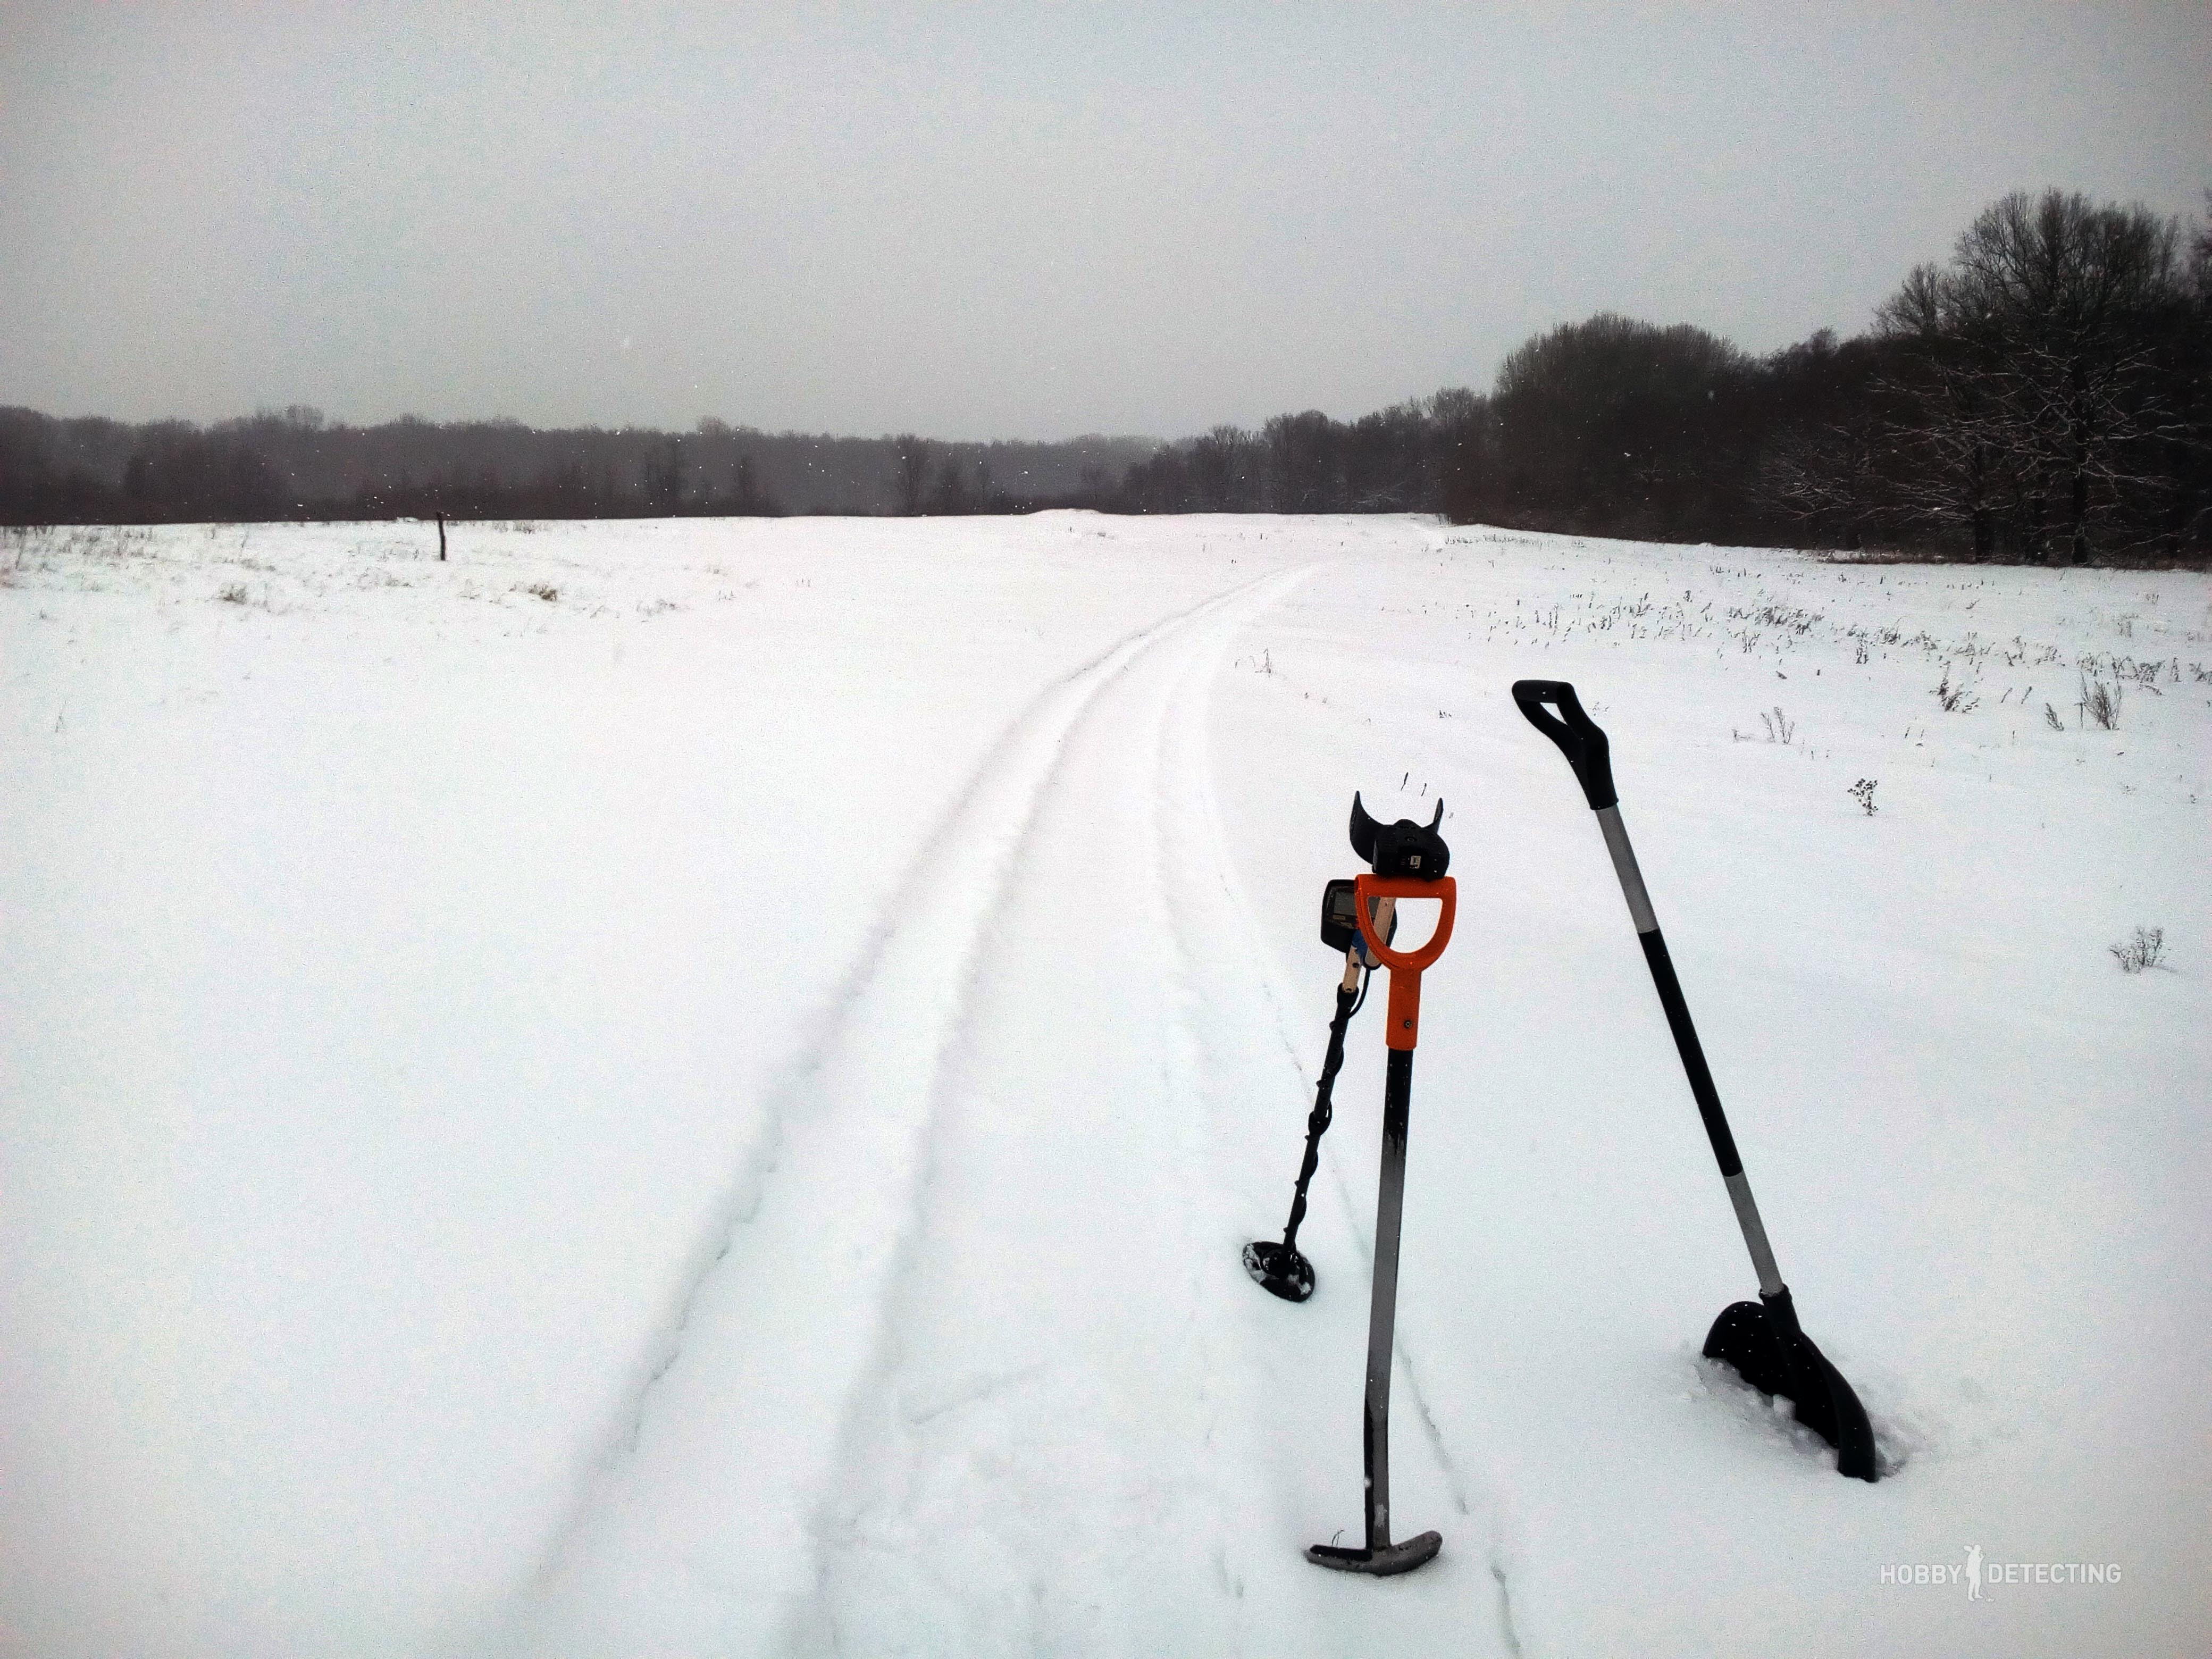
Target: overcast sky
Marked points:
1018	221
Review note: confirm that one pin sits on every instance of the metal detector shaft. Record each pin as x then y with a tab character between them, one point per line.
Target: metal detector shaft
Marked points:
1278	1267
1348	997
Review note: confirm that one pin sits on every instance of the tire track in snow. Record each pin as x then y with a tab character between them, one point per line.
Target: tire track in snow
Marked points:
1014	1480
727	1436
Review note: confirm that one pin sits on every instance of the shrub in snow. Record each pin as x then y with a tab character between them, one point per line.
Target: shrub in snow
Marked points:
1955	698
2101	701
2145	950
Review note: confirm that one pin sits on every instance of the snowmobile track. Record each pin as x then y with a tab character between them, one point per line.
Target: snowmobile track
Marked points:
941	1495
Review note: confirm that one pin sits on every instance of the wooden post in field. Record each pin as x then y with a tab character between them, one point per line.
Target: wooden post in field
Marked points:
441	539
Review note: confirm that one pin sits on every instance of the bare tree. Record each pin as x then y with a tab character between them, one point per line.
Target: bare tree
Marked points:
2027	381
951	496
910	477
1304	467
1225	471
2200	257
665	475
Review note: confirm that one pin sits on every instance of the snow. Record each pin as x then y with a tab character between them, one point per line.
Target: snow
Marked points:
716	1111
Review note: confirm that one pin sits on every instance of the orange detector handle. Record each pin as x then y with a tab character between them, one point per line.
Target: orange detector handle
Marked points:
1404	1028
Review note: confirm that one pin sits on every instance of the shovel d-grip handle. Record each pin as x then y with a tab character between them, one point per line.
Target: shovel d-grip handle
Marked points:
1578	735
1406	966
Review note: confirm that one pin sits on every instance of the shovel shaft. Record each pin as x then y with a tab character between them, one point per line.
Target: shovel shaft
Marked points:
1670	991
1691	1051
1382	1311
1700	1075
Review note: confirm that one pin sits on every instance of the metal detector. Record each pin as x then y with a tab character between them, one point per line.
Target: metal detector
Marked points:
1281	1267
1408	861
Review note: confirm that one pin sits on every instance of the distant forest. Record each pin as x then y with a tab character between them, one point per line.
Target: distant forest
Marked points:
2045	395
297	464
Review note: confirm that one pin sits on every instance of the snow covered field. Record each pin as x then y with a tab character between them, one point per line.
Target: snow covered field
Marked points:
696	1088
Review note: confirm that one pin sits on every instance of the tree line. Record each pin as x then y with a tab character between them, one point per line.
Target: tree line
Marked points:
2045	395
297	464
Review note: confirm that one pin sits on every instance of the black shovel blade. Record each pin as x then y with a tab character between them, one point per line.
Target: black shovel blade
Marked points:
1385	1563
1281	1271
1746	1338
